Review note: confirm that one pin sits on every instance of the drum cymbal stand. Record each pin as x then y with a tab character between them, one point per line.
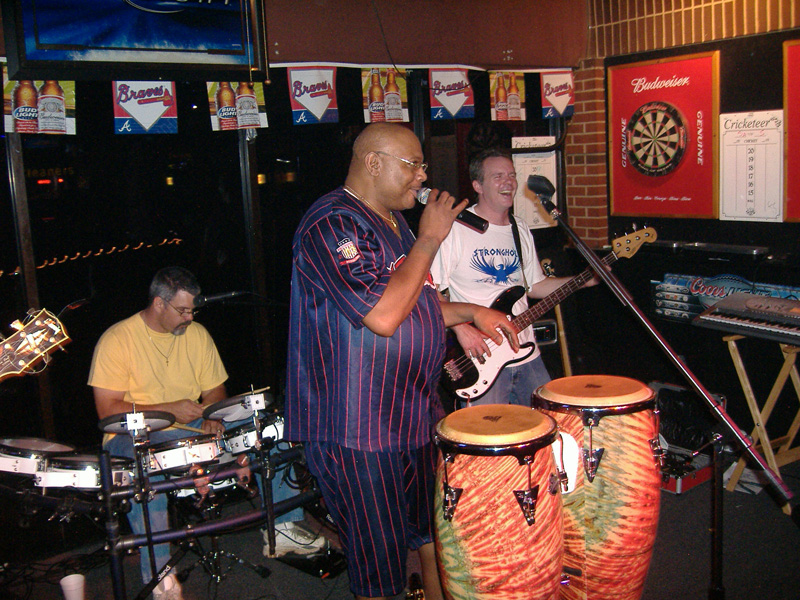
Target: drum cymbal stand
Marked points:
211	511
137	425
267	470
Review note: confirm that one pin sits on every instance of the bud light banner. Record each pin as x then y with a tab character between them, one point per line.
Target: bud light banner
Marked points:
38	106
558	94
312	92
145	107
385	95
451	94
236	105
683	297
507	95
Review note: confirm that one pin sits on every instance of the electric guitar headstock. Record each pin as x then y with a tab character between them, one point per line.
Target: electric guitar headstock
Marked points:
627	245
40	334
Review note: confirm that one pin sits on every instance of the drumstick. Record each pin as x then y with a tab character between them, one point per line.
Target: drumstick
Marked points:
188	428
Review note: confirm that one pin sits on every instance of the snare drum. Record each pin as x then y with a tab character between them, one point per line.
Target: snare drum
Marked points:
610	518
243	438
498	511
179	455
28	455
82	471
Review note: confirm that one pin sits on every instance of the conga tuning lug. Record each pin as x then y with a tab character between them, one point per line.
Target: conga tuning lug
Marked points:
557	481
658	452
527	502
450	500
591	462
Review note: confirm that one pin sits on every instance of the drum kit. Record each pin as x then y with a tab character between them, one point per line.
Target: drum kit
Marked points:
556	501
195	467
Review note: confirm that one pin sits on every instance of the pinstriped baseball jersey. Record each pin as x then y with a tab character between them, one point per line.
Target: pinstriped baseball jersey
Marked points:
345	384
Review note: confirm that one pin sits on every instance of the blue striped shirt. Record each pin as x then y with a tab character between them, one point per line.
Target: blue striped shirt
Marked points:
345	384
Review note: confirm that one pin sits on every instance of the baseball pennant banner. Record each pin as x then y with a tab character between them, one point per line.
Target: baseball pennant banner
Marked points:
384	101
451	94
558	94
312	92
144	107
242	108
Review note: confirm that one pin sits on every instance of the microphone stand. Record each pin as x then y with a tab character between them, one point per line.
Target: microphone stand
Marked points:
626	299
544	190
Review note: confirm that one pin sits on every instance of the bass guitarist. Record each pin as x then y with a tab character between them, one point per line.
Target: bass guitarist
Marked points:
478	267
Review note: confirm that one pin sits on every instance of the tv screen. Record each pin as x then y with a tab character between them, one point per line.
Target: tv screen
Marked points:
136	39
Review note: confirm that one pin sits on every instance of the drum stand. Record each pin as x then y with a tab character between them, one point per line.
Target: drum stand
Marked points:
210	559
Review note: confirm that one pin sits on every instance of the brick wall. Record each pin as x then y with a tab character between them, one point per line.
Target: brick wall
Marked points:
629	26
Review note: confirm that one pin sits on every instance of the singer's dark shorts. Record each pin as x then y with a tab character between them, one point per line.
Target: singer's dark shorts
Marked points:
382	503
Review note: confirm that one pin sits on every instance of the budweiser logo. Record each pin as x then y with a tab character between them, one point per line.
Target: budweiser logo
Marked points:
642	84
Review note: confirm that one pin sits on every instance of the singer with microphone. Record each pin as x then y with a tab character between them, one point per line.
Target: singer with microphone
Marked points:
366	343
498	265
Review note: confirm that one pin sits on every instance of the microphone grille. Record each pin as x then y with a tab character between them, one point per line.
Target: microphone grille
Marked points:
422	195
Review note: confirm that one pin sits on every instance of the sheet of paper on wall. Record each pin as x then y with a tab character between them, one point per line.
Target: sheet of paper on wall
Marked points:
751	166
526	203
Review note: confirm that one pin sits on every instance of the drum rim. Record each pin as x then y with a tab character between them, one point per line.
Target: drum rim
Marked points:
209	412
242	429
30	452
120	418
518	449
593	411
81	462
204	438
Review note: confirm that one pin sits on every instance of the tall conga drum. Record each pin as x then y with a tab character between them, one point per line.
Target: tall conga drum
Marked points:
498	511
611	516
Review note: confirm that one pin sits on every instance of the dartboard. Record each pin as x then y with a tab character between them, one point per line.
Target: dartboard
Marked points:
656	138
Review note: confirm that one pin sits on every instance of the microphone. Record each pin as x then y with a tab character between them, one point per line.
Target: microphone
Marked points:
544	188
203	300
465	217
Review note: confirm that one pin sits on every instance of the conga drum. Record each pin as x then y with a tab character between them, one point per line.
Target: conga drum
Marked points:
610	517
497	506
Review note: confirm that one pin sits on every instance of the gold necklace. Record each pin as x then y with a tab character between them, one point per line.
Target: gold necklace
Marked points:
152	341
390	220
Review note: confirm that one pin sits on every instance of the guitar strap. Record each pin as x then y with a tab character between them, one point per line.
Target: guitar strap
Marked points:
518	244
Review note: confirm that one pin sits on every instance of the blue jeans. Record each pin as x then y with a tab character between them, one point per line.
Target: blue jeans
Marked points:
122	445
516	384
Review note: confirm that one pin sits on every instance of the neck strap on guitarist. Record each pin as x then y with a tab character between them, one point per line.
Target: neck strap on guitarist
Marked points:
515	233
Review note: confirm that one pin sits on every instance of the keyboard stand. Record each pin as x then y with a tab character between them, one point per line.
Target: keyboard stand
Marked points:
784	454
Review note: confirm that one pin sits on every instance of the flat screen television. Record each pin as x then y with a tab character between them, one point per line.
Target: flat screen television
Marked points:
207	40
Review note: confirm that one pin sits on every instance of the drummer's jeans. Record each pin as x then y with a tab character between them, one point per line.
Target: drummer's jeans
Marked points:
515	384
122	445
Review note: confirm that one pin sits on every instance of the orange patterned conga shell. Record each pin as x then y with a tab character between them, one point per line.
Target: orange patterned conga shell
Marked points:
488	549
609	523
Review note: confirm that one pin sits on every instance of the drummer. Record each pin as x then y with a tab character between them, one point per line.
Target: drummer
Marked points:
161	360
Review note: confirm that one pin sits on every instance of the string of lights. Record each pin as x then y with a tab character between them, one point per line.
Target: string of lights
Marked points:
94	253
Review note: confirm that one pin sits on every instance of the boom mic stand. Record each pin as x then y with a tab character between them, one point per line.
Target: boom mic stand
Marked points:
544	189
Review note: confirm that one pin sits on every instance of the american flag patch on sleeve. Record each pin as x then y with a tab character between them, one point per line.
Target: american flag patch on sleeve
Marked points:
348	252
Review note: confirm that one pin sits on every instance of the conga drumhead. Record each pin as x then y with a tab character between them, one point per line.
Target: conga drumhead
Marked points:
491	427
594	392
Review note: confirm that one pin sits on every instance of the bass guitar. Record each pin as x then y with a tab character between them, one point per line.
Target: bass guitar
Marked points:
40	334
467	378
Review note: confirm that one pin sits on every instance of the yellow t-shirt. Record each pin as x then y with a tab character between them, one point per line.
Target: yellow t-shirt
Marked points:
153	367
